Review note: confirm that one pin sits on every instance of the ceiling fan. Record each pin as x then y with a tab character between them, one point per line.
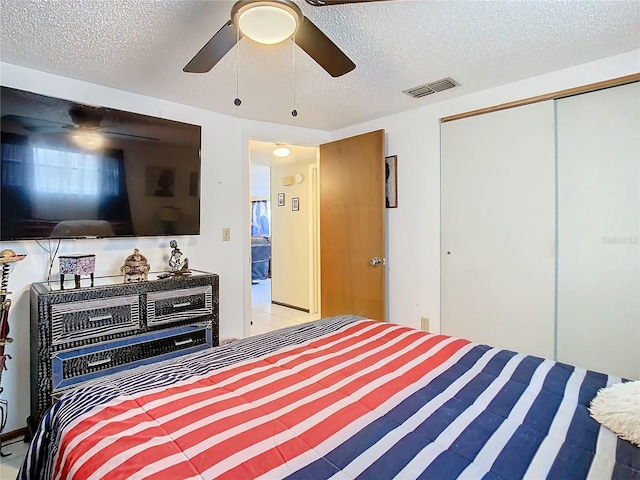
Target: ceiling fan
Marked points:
270	22
86	128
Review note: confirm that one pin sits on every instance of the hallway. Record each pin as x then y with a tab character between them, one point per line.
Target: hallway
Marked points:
266	316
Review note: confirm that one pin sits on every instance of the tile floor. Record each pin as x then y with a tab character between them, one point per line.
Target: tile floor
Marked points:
10	465
267	316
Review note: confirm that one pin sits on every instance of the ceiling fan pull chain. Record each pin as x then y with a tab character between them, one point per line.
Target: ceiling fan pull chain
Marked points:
237	102
294	112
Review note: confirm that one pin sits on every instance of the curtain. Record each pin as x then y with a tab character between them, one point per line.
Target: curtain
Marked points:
114	197
261	218
15	171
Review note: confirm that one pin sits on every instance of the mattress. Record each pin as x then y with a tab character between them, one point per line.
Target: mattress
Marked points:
341	397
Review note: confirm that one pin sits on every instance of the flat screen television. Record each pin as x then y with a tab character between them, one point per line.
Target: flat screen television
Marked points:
70	170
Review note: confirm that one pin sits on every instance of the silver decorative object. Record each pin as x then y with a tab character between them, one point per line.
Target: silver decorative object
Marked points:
176	263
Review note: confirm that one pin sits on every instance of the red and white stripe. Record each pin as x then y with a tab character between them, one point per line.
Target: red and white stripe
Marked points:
258	416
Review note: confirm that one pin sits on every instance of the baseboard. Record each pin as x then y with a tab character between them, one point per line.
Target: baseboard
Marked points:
5	437
290	306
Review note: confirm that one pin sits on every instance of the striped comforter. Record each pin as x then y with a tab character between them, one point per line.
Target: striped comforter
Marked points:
342	397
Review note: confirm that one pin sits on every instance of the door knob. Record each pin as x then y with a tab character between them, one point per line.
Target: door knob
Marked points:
375	261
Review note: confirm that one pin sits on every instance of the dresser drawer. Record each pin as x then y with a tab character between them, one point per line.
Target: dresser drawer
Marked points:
90	319
178	305
80	365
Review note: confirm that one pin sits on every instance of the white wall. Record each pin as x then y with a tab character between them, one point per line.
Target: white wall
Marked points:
225	203
260	182
290	236
413	229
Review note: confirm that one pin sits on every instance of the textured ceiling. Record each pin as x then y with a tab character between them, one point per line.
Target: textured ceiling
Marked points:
142	45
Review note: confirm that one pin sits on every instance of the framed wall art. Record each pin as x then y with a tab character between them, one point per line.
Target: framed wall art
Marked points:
391	181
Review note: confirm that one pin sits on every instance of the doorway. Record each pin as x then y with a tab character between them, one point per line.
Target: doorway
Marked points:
283	198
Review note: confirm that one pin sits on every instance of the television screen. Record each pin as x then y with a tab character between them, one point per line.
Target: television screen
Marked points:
74	171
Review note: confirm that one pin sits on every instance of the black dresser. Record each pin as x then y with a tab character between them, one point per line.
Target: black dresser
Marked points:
81	334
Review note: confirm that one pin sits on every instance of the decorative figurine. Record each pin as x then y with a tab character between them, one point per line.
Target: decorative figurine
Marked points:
184	270
6	257
178	266
135	267
77	265
175	260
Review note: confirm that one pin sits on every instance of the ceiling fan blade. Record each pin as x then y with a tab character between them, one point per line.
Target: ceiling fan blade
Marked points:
324	3
129	135
214	49
320	47
32	122
44	128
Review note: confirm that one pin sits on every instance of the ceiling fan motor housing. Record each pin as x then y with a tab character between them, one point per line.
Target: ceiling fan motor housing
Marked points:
85	116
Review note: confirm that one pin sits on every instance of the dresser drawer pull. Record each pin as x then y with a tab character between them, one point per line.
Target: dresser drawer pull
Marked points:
98	319
99	362
177	343
184	304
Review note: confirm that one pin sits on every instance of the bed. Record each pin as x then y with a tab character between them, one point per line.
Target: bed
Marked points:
260	257
341	397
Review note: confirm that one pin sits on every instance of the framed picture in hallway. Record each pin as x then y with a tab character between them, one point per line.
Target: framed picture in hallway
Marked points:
391	181
295	204
281	199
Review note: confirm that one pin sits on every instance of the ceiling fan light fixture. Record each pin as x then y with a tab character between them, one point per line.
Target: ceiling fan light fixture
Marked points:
88	140
281	152
267	22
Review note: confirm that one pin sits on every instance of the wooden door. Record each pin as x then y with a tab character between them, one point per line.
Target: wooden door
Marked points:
352	226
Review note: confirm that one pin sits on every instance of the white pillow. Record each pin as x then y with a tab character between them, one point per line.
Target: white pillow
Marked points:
618	408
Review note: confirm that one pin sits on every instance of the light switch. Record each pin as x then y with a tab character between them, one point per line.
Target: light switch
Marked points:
226	234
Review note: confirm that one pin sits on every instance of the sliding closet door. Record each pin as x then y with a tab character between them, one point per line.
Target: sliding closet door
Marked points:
498	228
598	230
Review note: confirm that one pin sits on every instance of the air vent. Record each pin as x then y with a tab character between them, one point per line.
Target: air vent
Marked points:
429	88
